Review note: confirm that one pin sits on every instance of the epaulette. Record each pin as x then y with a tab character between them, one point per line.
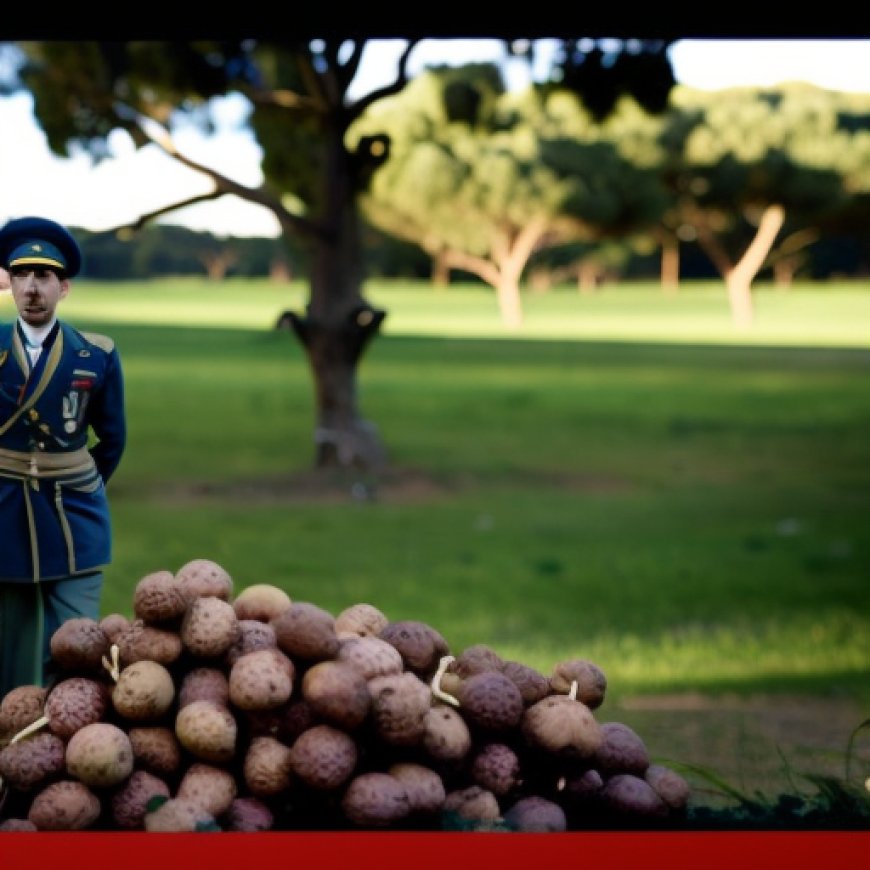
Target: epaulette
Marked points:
103	342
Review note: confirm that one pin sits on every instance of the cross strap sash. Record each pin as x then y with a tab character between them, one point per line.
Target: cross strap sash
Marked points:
47	373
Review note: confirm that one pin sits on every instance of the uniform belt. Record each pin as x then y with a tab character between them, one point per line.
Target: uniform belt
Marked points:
46	465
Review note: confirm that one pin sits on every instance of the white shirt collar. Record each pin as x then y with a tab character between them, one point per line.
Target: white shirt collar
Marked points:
35	335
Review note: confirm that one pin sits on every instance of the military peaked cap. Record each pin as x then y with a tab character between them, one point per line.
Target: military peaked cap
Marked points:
38	241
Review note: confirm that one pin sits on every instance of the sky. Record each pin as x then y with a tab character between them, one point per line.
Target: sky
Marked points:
78	194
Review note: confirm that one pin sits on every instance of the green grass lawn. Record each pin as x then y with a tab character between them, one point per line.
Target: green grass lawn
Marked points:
627	479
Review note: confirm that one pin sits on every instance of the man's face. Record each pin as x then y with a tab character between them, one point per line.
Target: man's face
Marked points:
36	291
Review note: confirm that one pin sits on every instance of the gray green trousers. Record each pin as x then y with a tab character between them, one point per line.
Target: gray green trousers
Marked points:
30	613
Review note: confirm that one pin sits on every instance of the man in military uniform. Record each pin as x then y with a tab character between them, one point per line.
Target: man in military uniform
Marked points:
62	434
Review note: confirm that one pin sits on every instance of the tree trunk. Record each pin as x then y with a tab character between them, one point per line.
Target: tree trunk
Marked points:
670	265
503	269
739	279
342	438
279	271
784	272
740	298
588	276
790	255
440	271
337	327
541	280
217	263
509	303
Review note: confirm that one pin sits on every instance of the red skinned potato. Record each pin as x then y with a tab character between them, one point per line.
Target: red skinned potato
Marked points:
19	708
139	641
306	631
629	795
32	761
144	692
475	659
203	577
80	644
261	680
207	730
204	683
338	693
360	620
420	645
155	749
536	814
399	706
375	800
582	679
67	805
532	684
324	757
113	624
253	635
496	767
472	804
14	824
267	768
621	750
562	726
261	602
99	755
371	656
130	802
248	815
179	815
491	702
446	737
669	785
158	598
423	785
582	788
213	788
74	703
209	627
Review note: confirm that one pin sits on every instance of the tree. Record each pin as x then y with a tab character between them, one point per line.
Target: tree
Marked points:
300	114
747	166
482	180
297	91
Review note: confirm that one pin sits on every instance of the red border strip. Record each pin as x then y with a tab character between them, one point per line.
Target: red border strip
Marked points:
436	850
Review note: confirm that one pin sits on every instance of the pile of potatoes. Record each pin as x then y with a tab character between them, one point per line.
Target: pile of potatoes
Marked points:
209	711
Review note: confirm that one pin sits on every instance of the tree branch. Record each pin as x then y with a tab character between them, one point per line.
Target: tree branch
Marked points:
282	98
223	185
144	219
480	266
388	90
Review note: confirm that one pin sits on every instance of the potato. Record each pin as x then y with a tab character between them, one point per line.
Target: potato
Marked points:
100	755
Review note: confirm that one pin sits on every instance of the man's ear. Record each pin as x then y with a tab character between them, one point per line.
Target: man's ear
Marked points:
64	287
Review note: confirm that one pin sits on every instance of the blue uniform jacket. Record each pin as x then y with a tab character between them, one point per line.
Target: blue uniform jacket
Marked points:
62	434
